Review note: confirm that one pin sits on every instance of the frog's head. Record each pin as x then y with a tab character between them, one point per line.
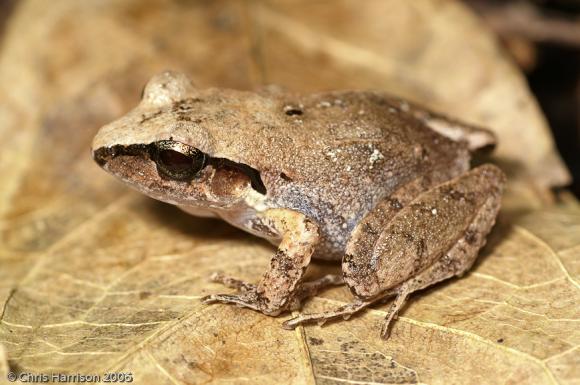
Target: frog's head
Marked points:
161	149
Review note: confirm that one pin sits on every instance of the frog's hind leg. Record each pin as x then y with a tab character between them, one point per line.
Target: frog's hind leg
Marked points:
435	237
455	262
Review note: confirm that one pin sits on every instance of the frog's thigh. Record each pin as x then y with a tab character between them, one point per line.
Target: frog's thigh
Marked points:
359	250
438	235
423	231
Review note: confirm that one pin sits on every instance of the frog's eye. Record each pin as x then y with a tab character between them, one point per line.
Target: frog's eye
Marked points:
178	161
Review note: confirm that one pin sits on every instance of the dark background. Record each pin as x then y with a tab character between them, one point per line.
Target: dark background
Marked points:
543	37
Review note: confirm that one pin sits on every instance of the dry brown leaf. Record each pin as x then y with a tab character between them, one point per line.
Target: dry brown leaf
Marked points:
96	278
124	299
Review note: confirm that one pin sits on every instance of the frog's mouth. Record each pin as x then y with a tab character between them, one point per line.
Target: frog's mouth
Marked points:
186	173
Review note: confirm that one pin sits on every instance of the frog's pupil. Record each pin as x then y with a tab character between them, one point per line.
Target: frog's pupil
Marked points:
175	161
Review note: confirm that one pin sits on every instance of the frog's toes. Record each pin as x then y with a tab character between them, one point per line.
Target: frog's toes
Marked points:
248	295
232	282
344	312
241	300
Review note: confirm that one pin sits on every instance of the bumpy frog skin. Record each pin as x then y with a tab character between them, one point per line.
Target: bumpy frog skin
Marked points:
362	177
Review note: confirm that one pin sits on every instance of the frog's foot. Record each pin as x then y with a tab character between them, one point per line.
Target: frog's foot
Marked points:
248	296
242	300
344	312
249	299
397	304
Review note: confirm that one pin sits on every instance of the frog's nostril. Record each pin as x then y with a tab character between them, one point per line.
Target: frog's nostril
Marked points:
292	110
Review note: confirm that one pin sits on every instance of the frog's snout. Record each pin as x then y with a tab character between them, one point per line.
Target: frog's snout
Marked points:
102	155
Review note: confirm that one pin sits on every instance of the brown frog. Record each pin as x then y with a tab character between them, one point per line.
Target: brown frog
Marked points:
377	182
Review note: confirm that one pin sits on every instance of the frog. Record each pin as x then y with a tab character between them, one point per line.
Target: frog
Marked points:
377	183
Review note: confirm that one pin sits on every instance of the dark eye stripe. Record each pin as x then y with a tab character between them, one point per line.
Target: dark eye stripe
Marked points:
252	173
179	161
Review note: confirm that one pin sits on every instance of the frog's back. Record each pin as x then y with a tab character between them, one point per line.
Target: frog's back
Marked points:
332	156
349	135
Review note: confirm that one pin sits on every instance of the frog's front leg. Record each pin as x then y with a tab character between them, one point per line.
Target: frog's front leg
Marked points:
279	287
433	238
